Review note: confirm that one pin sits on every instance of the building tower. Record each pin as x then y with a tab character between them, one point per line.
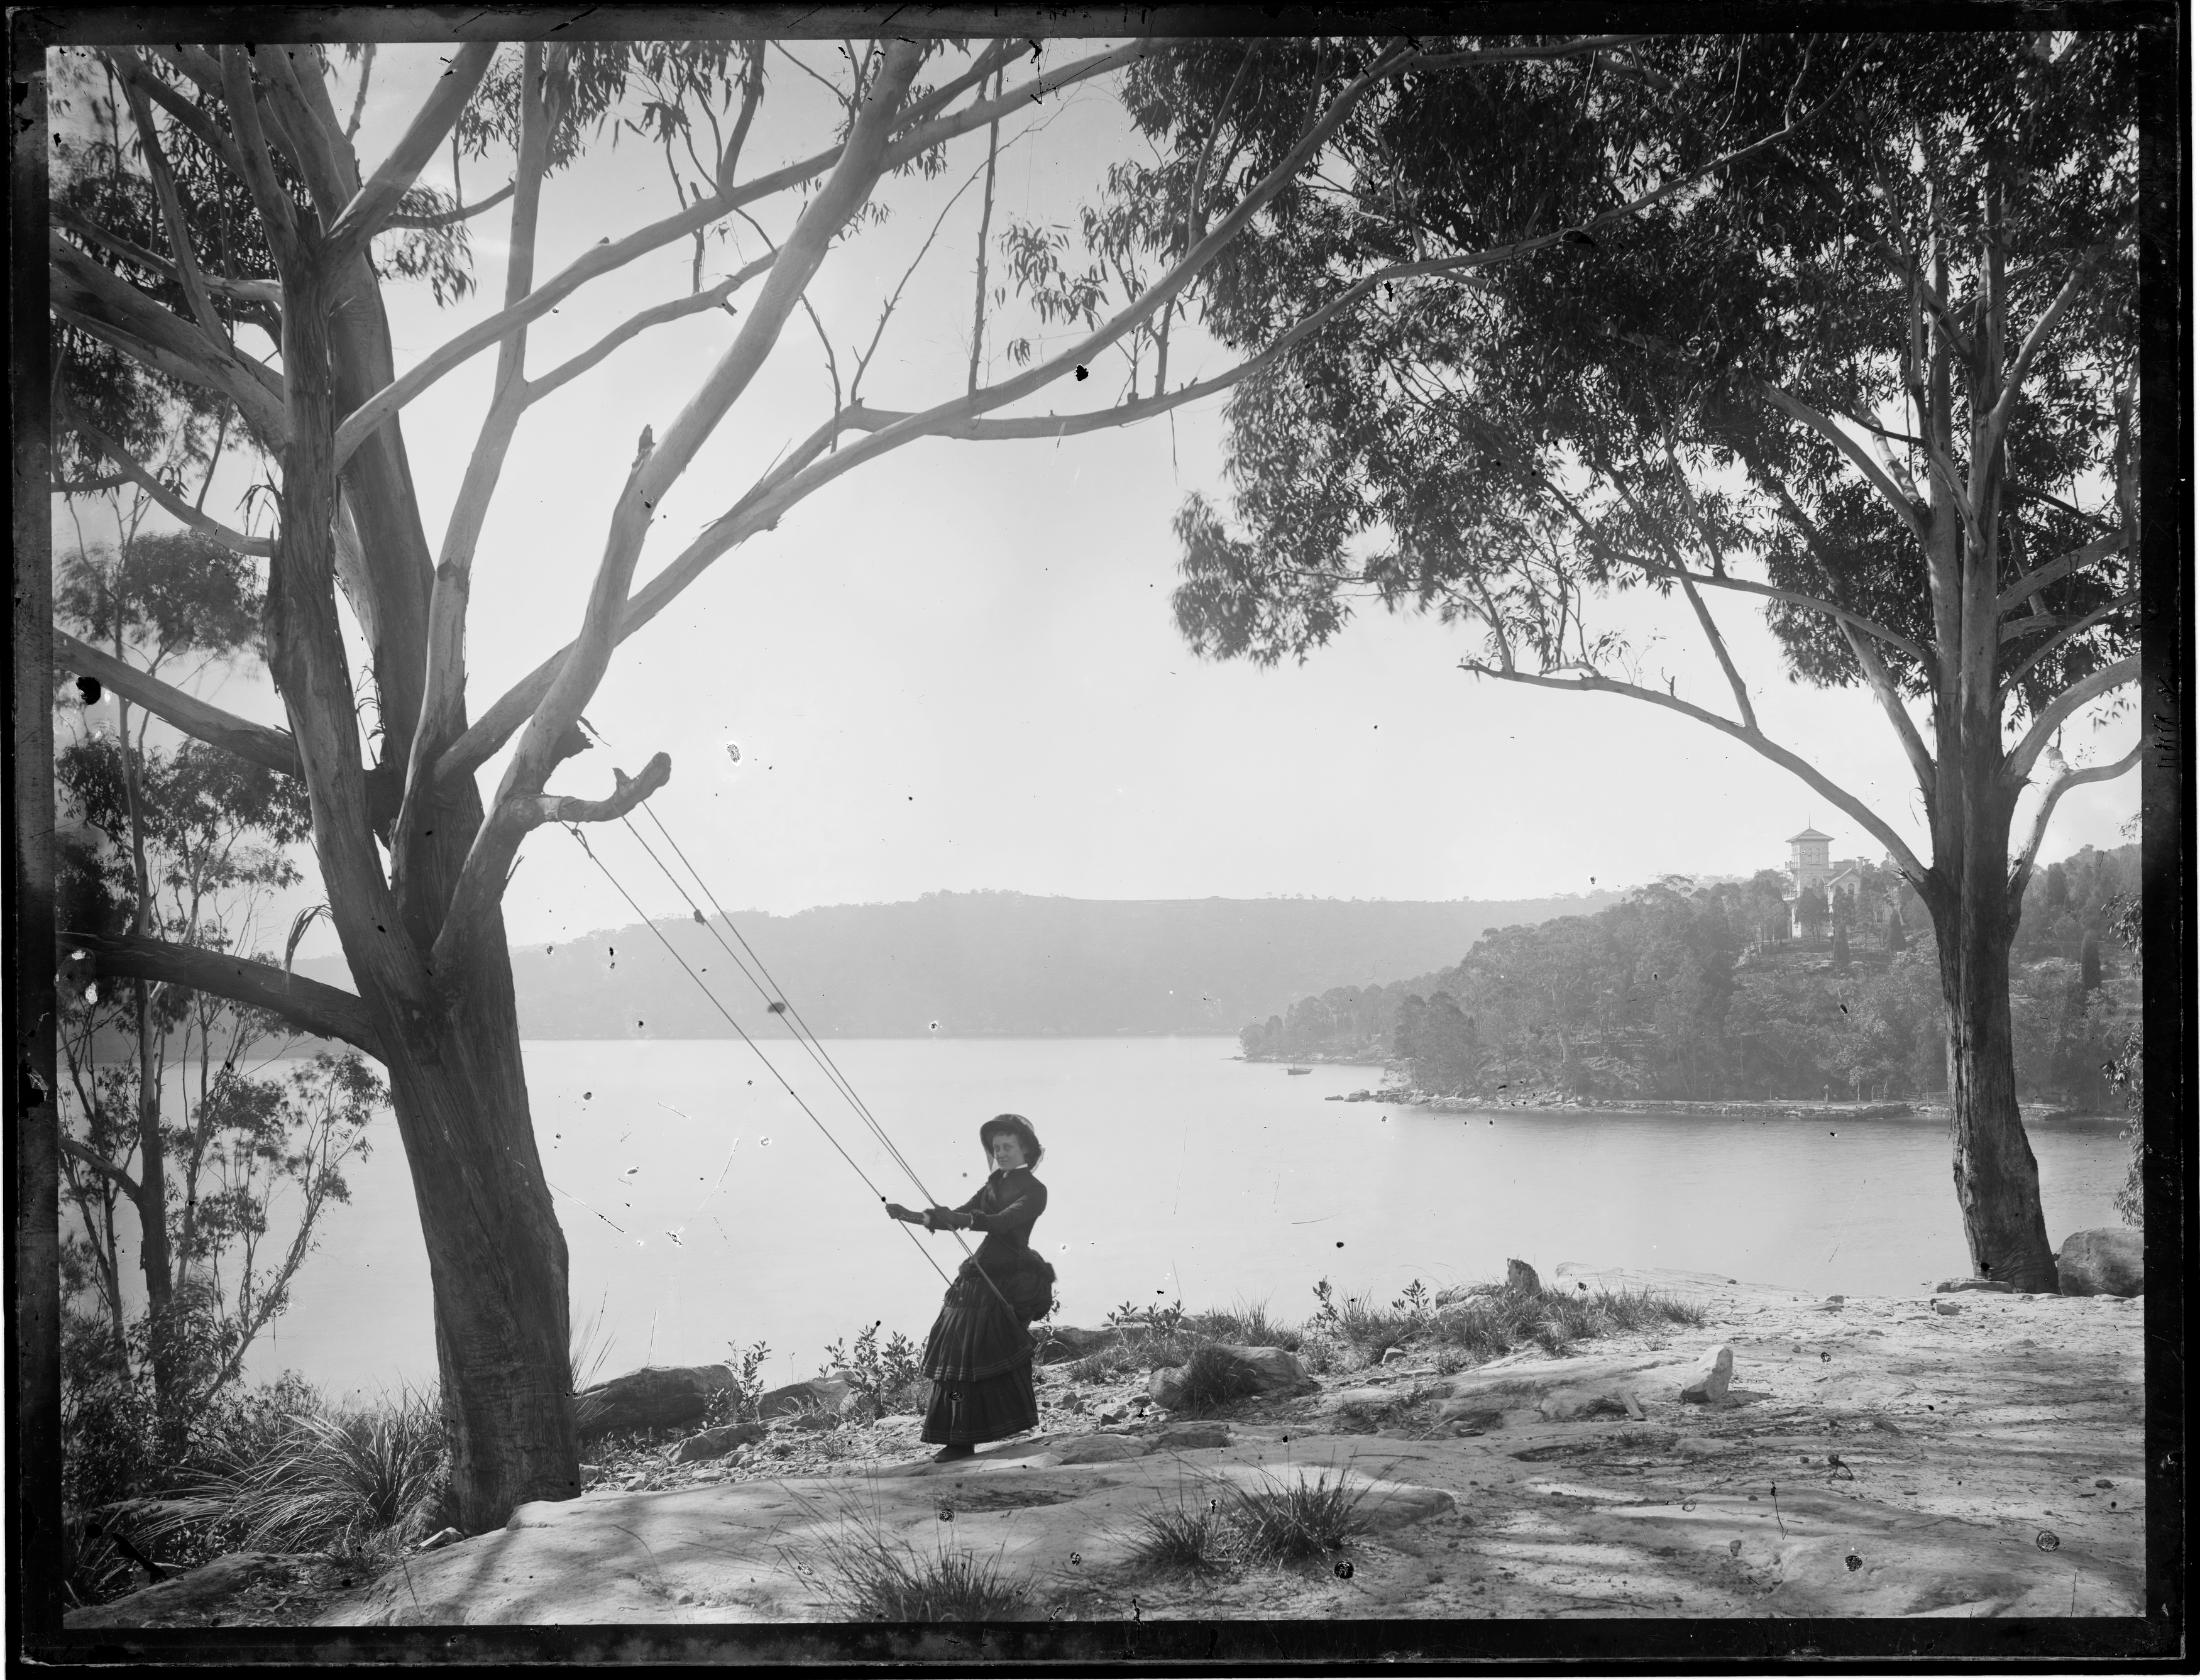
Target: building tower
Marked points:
1808	862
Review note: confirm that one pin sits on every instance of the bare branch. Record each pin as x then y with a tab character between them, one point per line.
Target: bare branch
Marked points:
256	291
442	702
509	822
695	303
171	213
1755	740
438	115
451	218
2068	634
326	1011
358	100
101	1165
603	259
107	306
2053	793
832	361
274	749
136	471
1997	421
2062	566
2017	769
554	808
1858	457
862	162
985	227
273	203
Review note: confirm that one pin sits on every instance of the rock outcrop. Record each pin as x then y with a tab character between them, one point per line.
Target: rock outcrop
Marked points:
2109	1261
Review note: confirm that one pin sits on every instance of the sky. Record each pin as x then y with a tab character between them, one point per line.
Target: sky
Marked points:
955	668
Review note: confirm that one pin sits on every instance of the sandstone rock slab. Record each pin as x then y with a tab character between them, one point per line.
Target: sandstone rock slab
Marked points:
1958	1285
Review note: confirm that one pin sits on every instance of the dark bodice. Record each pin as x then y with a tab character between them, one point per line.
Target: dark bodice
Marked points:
1005	1209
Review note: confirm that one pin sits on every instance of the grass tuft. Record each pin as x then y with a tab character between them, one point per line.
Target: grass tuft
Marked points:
1246	1324
1486	1321
1214	1380
874	1578
1297	1521
345	1481
1177	1540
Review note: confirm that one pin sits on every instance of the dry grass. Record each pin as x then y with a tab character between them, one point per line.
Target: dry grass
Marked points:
872	1577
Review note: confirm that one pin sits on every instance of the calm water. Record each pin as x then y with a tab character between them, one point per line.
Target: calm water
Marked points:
702	1208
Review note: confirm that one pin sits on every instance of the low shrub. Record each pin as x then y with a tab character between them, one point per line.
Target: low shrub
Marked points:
1354	1321
889	1377
739	1403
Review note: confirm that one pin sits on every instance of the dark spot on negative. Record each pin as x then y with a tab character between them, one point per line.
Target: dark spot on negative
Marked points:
89	688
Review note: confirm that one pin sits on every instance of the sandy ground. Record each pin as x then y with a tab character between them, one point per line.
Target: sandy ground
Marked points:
1876	1457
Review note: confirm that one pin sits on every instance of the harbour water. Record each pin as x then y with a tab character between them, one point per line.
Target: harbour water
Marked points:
704	1210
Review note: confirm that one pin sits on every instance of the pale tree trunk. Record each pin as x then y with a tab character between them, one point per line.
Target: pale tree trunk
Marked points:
497	1260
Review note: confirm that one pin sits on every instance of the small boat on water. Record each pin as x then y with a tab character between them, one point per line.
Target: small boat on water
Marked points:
1298	1070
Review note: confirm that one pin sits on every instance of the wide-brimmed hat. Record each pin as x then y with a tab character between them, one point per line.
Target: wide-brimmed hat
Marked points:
1017	1124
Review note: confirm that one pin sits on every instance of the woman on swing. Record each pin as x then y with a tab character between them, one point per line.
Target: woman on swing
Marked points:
978	1356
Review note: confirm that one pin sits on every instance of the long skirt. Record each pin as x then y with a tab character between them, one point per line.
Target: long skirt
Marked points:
979	1357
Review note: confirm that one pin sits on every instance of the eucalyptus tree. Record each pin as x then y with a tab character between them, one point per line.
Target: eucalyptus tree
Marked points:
1843	326
244	213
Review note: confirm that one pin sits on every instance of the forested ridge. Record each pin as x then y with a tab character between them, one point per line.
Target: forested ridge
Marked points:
1684	991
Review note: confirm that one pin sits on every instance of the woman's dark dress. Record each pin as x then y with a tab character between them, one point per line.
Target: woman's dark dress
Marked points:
978	1356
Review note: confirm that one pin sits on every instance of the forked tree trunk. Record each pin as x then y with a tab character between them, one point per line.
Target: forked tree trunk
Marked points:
450	1043
1997	1178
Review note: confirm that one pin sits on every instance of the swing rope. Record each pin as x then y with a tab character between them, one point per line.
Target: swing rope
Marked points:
773	995
803	1035
575	831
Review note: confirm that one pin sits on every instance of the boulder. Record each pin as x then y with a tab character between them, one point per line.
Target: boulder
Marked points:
833	1392
1520	1279
1957	1285
718	1443
657	1397
1266	1371
1278	1370
1713	1375
2109	1261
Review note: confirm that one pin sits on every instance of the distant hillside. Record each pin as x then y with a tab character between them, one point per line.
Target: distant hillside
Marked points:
1002	964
